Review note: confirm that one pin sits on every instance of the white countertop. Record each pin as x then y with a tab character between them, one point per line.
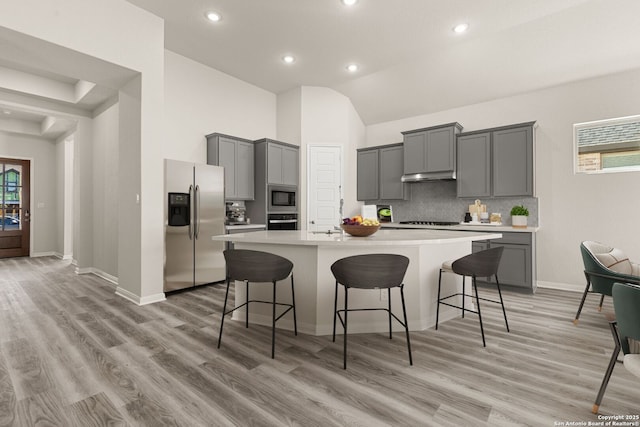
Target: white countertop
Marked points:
244	226
381	238
464	227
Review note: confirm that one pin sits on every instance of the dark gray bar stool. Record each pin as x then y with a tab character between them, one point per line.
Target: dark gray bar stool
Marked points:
374	271
480	264
256	266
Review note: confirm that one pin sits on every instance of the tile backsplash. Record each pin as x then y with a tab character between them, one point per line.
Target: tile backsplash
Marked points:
437	201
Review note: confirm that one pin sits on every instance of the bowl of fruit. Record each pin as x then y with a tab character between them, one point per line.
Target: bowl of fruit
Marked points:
360	227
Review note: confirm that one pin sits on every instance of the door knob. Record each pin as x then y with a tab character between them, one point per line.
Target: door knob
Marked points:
312	222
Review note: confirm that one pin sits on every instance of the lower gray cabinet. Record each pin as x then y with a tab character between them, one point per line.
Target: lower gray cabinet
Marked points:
517	266
379	173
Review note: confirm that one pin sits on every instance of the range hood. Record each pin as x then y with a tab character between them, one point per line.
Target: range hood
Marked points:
429	176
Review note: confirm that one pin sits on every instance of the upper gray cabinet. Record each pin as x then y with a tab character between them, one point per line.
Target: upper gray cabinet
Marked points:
431	150
236	155
496	162
368	175
282	162
380	171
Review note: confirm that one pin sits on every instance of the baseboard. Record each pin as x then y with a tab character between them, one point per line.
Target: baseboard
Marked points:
106	276
138	300
97	272
561	286
41	254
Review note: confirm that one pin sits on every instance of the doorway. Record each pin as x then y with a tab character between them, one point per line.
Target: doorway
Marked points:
324	178
15	207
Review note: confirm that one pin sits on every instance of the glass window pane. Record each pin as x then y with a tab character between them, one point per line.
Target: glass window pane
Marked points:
611	145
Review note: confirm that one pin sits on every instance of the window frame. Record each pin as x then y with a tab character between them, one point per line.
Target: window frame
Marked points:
601	123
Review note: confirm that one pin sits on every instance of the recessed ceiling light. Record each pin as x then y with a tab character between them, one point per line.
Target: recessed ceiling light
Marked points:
349	2
352	68
213	16
461	28
288	59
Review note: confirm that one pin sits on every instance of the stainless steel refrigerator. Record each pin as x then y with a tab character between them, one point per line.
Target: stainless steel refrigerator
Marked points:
194	211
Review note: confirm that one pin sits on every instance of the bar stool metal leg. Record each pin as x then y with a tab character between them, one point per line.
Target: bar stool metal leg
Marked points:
273	324
389	301
293	301
335	312
502	303
438	304
246	313
406	325
346	288
224	310
475	286
463	292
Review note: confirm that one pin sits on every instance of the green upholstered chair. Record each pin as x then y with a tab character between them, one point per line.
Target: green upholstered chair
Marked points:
603	266
626	333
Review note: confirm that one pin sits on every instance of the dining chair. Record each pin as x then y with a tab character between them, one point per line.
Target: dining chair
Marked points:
603	266
625	329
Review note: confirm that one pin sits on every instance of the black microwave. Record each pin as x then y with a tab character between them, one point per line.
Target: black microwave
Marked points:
282	198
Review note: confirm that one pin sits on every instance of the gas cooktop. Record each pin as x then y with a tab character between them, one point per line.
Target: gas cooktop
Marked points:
426	222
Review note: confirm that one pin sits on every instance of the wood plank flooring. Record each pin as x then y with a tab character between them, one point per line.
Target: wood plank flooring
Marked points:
72	353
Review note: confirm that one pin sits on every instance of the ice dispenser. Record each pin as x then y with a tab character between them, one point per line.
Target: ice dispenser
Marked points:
179	214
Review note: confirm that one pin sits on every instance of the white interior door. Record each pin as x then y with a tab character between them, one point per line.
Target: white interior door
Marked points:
324	178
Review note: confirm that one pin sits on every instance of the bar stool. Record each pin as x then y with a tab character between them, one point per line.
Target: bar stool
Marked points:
373	271
480	264
256	266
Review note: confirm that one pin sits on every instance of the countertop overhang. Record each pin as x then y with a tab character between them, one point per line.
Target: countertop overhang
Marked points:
411	237
463	227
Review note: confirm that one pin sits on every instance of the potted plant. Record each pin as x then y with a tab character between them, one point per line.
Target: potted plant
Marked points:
519	216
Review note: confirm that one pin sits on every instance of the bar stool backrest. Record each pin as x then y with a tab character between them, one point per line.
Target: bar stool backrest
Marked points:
256	266
371	270
480	264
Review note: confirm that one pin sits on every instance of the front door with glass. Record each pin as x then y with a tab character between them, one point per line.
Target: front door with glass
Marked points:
14	208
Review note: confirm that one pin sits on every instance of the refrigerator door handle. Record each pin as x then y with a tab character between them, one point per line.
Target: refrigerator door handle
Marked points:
197	213
191	214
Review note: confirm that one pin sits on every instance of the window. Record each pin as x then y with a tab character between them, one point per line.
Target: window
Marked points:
607	145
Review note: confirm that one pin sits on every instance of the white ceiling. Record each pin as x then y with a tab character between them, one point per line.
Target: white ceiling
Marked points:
411	61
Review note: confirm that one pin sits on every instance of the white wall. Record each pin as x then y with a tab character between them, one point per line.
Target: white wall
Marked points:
81	32
572	207
42	154
200	100
105	190
322	116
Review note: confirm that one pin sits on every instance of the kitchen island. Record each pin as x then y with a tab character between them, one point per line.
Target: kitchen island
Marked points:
313	253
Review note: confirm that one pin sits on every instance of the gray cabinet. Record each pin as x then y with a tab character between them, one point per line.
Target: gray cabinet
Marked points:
391	170
473	176
379	173
368	178
282	163
432	149
496	162
517	266
512	169
236	155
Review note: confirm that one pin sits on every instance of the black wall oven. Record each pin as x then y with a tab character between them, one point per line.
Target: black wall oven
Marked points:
282	221
282	199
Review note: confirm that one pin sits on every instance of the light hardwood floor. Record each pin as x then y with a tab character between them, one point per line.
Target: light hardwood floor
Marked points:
72	353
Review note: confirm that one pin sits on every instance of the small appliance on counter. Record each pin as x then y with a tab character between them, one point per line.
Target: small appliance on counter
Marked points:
385	213
236	213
